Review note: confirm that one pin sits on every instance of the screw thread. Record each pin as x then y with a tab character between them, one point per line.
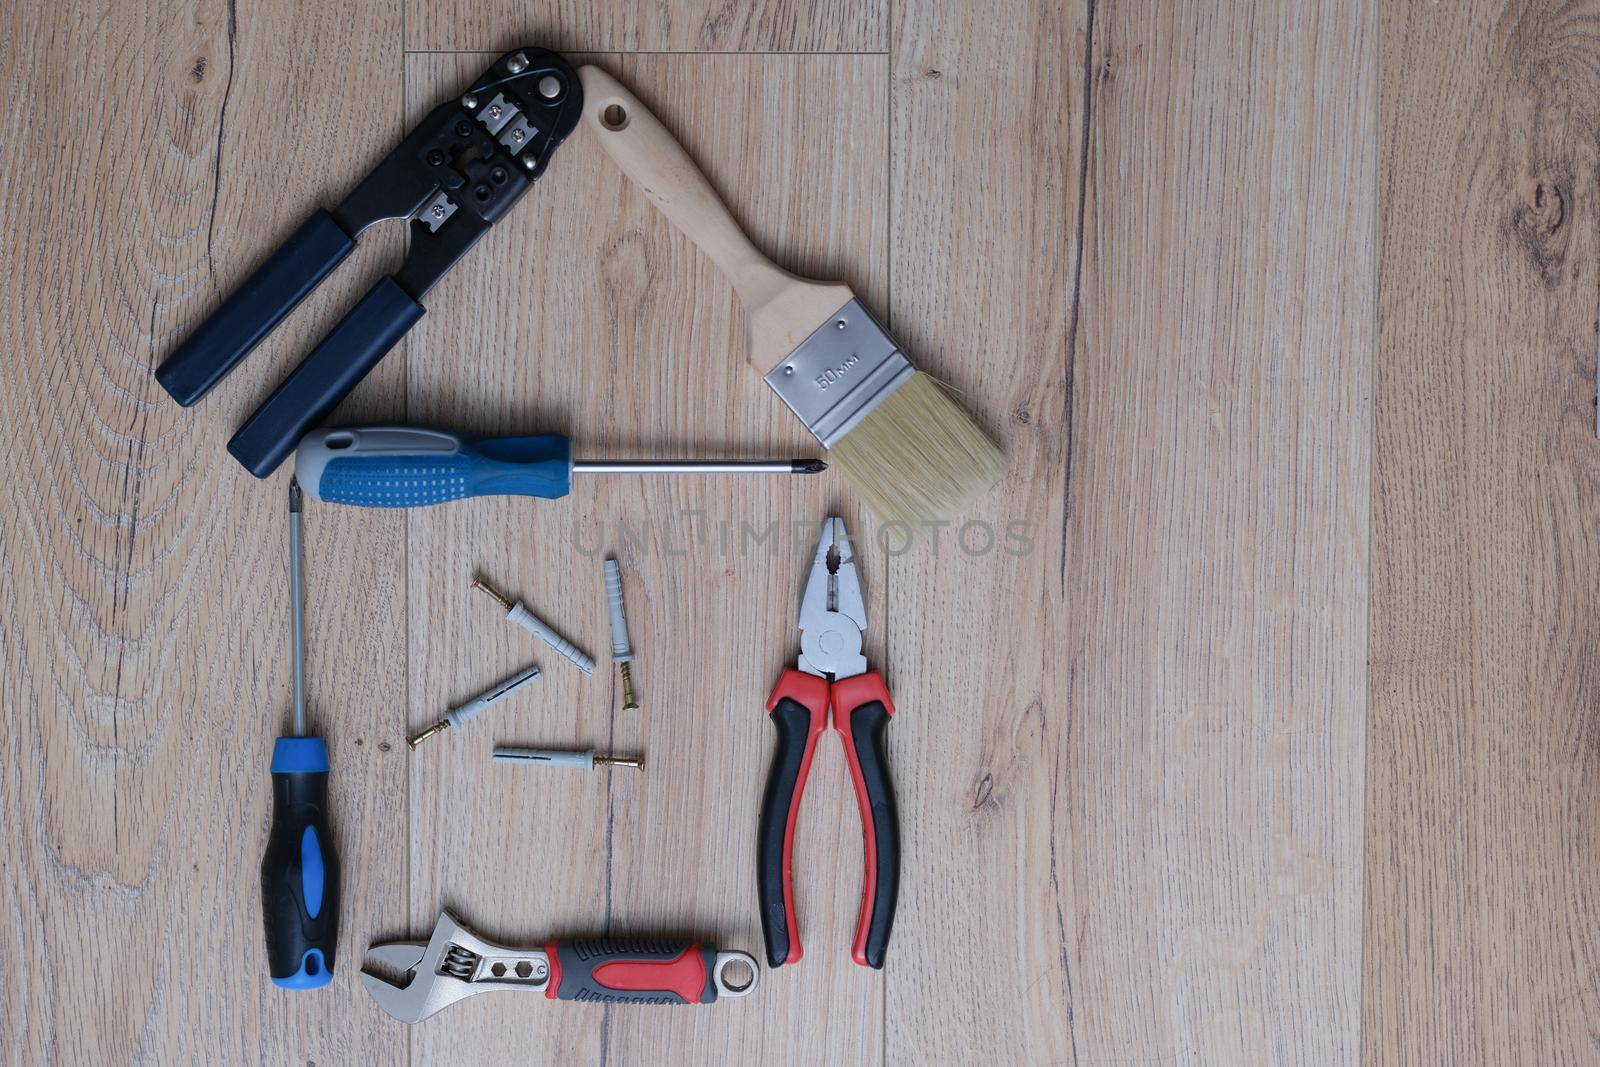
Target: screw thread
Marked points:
628	703
489	590
438	727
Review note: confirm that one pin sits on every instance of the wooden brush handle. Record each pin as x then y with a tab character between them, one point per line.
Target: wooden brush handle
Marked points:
783	308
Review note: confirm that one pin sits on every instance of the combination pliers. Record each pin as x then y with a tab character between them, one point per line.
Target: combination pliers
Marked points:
830	683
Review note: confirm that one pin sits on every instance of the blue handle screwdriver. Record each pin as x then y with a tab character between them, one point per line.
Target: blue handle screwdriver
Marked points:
413	466
300	872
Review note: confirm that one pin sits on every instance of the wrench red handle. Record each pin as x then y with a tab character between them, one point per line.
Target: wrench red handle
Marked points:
798	708
861	710
632	971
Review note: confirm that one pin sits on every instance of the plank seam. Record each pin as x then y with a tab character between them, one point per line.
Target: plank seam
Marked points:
1068	383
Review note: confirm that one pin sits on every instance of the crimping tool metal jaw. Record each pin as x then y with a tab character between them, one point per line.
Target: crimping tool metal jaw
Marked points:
832	613
455	174
468	161
456	963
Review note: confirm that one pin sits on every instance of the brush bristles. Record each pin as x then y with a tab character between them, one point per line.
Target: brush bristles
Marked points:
918	458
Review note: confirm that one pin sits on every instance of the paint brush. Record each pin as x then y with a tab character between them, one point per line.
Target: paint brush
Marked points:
912	452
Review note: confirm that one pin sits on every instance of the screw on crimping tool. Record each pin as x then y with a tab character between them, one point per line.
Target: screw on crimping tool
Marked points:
454	175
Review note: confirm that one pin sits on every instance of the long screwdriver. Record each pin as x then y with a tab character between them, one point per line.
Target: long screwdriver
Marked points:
300	872
413	466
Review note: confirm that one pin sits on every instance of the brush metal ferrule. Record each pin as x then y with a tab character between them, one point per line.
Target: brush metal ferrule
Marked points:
848	366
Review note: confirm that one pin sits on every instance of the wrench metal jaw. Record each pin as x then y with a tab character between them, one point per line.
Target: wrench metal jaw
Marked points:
832	611
455	963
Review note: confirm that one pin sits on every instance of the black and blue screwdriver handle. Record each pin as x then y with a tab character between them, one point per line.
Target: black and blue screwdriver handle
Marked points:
800	710
300	871
455	174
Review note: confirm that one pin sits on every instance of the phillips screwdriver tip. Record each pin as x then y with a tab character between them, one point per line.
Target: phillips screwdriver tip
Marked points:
808	466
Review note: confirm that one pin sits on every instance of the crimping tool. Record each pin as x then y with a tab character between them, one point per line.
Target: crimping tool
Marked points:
455	174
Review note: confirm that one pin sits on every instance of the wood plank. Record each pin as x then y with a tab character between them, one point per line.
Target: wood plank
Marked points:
646	26
591	316
153	153
1149	772
1220	677
987	126
1481	940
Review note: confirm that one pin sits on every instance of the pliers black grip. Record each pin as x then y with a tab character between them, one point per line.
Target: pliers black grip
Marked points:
454	175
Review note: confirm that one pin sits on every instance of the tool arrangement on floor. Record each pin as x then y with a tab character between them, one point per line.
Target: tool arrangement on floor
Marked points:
588	760
412	980
831	676
459	717
454	175
413	466
910	450
621	648
300	871
903	443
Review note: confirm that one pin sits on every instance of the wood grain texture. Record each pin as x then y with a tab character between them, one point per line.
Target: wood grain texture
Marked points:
649	25
986	172
1481	932
1220	509
151	154
1161	799
592	316
1258	328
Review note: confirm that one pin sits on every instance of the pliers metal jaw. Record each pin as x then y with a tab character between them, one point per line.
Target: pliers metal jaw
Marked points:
412	980
454	175
832	613
831	685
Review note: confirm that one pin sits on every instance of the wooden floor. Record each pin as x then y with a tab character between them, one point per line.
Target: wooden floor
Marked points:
1265	729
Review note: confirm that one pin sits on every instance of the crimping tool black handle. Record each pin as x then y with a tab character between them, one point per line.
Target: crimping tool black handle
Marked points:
325	377
255	308
454	175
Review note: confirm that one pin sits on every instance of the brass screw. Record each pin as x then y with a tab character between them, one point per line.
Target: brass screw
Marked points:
438	727
636	762
480	584
628	703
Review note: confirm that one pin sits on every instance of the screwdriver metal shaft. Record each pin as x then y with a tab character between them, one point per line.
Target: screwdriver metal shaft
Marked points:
297	610
698	466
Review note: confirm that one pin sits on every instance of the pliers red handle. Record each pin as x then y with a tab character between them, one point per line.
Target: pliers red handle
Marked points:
803	703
